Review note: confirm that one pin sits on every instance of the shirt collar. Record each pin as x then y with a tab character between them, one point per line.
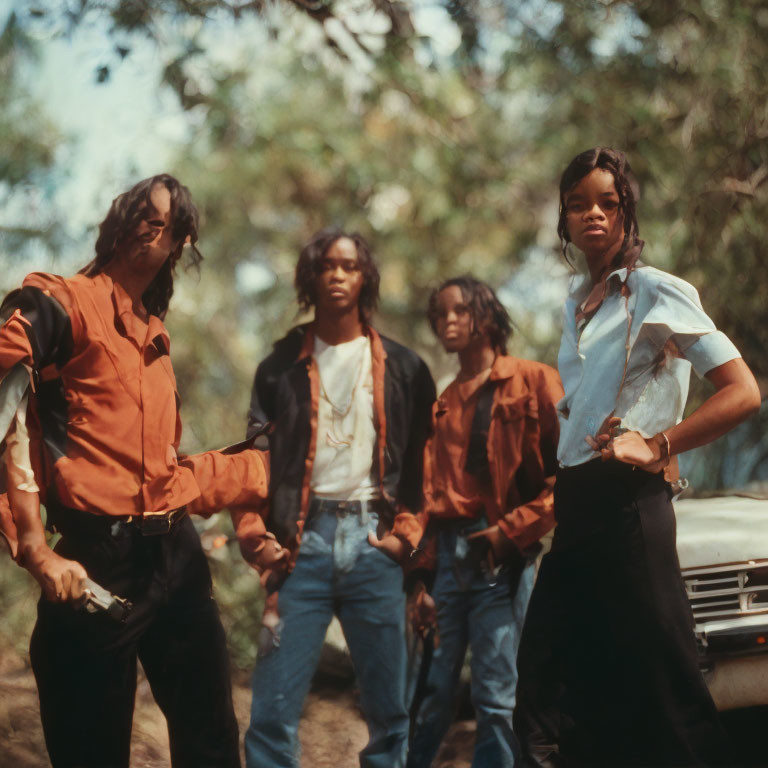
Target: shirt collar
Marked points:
582	285
504	367
378	352
155	331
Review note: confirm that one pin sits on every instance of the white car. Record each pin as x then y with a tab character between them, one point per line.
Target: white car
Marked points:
722	543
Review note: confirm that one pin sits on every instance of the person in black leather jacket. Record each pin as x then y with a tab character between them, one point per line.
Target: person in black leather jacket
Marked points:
347	413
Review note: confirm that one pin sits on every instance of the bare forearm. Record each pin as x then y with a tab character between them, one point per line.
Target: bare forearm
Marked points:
29	524
736	398
60	579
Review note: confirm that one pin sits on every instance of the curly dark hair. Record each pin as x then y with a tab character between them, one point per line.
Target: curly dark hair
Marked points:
488	314
126	213
615	162
309	267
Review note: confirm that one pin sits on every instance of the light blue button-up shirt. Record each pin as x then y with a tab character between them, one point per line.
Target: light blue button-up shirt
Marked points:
669	333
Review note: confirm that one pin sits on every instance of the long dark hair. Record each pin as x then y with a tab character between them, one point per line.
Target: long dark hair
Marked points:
615	162
488	314
310	265
125	214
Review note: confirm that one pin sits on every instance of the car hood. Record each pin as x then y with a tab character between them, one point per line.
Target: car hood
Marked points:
725	529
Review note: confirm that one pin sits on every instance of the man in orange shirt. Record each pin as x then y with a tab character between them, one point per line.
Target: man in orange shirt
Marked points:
105	430
488	500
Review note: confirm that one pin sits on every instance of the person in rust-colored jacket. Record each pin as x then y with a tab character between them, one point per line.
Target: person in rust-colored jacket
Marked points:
489	470
98	442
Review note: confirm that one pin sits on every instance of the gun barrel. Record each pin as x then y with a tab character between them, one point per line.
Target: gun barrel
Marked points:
99	599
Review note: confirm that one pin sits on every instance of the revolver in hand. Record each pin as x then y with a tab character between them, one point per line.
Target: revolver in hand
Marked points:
96	598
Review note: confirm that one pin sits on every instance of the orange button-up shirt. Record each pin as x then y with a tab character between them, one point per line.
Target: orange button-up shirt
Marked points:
456	492
122	410
521	445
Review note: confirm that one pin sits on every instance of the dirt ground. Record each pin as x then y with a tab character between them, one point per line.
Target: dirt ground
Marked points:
332	730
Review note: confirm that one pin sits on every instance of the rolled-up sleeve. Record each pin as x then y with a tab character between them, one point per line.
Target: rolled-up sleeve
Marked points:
677	314
710	351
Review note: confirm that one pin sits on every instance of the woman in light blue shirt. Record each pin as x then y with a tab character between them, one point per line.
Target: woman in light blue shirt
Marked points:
608	665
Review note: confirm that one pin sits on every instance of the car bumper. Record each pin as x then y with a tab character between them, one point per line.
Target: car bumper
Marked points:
734	637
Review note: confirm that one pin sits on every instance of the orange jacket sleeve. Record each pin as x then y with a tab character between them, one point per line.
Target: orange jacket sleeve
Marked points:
410	526
527	523
228	480
15	346
421	567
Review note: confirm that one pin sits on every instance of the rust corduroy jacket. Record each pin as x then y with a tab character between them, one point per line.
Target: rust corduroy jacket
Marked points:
521	448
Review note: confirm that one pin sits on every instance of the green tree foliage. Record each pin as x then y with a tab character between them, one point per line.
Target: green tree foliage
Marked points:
486	129
451	164
687	100
28	142
429	171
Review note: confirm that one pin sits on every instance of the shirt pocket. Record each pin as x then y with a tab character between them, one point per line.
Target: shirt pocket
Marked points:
514	409
514	442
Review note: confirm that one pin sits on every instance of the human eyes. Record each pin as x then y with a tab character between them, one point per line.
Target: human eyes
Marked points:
456	309
347	265
574	206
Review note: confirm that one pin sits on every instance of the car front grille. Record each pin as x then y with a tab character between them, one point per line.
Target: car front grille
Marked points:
726	592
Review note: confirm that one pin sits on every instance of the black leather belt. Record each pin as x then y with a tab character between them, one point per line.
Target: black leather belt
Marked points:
76	522
342	508
158	523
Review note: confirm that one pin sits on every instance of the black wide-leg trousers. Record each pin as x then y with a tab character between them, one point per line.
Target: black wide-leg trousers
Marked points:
608	664
85	664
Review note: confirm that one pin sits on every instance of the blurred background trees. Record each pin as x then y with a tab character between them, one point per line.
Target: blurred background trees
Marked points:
438	129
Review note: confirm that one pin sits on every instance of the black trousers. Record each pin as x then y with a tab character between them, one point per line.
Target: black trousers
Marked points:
85	664
608	665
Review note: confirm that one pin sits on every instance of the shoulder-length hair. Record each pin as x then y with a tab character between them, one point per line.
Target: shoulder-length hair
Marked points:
310	266
615	162
126	213
489	315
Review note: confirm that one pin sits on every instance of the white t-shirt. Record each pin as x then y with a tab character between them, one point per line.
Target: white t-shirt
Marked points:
346	434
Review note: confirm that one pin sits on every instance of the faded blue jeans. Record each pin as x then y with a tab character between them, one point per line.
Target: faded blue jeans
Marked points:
473	610
337	572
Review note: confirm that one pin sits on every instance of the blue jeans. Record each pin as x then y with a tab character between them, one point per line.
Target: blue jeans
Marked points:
487	616
337	572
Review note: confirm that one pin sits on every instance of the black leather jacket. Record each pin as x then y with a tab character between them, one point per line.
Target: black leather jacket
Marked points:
282	394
